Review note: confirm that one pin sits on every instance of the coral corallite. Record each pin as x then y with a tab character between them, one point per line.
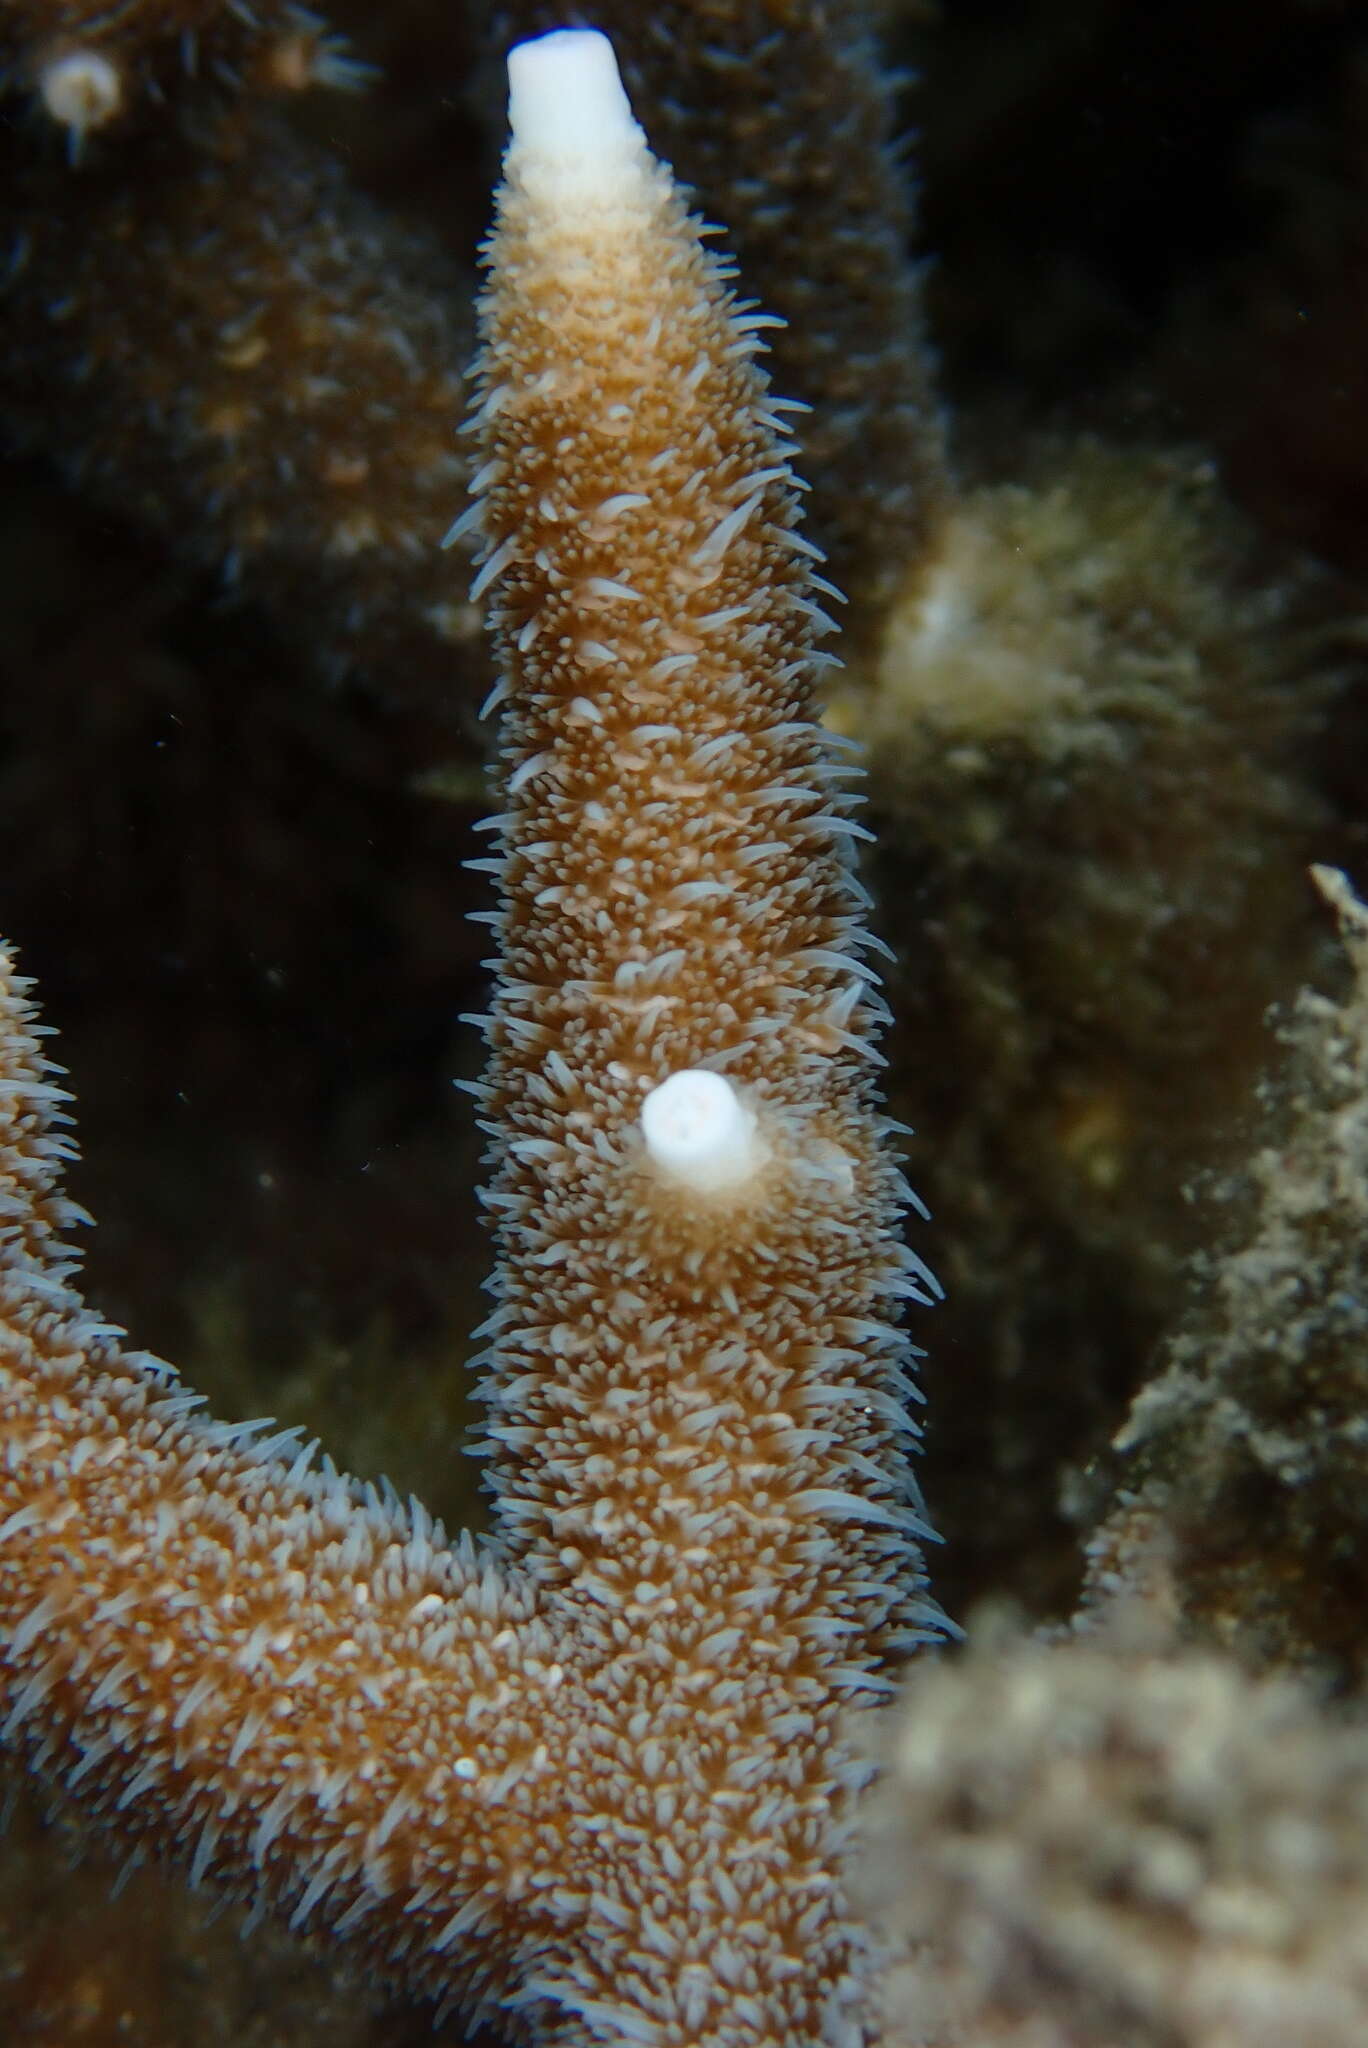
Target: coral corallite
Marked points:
598	1776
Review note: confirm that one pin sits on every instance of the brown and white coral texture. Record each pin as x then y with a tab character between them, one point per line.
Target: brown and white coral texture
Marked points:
600	1773
91	66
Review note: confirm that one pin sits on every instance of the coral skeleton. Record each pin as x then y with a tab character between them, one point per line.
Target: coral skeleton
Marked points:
600	1773
699	1133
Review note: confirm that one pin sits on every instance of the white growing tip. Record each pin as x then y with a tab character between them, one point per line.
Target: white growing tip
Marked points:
567	108
699	1133
82	90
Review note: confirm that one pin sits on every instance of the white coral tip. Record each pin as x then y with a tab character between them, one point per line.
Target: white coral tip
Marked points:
81	90
699	1133
567	107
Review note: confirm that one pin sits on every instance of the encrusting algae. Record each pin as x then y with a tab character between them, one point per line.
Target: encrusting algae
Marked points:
1088	725
1243	1459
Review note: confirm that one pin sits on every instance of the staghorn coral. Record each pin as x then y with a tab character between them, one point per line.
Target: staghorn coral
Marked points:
782	118
1245	1458
1079	1845
93	67
123	918
490	1771
255	293
274	377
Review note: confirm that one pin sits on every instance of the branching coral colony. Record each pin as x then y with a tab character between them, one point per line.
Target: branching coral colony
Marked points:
1086	722
596	1775
1089	704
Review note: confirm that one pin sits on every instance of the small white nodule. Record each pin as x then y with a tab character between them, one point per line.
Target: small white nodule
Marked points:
699	1133
81	90
567	108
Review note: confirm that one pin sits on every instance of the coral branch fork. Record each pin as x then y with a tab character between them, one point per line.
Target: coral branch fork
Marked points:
599	1775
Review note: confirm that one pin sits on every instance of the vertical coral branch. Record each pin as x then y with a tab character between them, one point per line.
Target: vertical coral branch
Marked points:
677	896
784	120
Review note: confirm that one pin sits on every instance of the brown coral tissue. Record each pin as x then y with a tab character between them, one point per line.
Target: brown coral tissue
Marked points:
91	67
1074	295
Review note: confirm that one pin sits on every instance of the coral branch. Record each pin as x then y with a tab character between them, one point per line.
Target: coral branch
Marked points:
784	121
207	1636
93	66
653	608
602	1773
232	343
